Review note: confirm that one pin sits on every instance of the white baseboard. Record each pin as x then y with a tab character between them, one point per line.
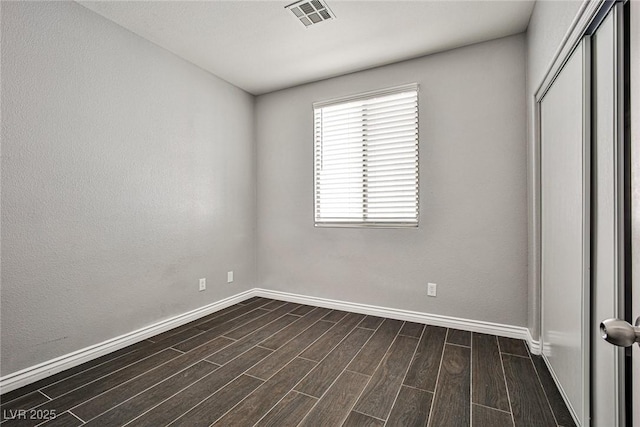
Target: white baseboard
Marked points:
502	330
534	345
42	370
32	374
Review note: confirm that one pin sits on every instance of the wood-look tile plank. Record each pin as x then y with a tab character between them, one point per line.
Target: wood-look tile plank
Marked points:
335	316
335	405
424	368
528	401
289	411
237	311
63	420
488	417
182	402
318	350
254	325
411	408
279	358
513	346
559	408
265	397
174	331
368	359
281	338
65	386
215	406
489	388
226	354
452	397
323	375
274	304
14	394
219	330
458	337
371	322
213	319
27	401
304	309
252	299
356	419
411	329
117	395
129	409
88	391
379	395
173	340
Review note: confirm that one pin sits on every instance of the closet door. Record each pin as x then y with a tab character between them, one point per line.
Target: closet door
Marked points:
565	224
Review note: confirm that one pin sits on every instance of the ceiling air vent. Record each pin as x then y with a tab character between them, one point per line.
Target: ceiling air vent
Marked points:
311	12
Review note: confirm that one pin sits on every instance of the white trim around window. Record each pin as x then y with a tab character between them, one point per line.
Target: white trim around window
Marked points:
366	159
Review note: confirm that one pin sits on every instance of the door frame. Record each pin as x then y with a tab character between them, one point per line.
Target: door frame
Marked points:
633	362
588	18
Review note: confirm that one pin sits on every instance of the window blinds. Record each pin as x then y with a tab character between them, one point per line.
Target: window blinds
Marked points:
366	159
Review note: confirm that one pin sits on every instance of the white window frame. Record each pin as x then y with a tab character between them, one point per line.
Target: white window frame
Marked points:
318	159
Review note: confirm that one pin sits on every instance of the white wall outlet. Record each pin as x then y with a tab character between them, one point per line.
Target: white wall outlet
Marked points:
229	276
203	284
431	289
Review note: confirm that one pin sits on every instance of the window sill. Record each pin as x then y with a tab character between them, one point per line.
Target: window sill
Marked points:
366	225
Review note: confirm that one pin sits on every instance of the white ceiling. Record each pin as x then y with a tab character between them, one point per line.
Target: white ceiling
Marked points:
260	47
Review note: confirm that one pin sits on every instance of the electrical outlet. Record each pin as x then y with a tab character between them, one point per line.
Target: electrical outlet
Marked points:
203	284
229	276
431	289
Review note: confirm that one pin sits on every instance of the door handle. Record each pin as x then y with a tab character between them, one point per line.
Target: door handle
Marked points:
620	333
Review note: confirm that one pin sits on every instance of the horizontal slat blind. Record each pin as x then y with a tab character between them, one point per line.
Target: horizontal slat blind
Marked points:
366	159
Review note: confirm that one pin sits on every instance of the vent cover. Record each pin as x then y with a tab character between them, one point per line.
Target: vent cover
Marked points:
311	12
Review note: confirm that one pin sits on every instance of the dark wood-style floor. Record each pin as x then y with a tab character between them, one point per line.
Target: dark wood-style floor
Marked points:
270	363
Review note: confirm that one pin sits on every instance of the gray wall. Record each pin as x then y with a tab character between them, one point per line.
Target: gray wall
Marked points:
472	239
549	23
127	174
